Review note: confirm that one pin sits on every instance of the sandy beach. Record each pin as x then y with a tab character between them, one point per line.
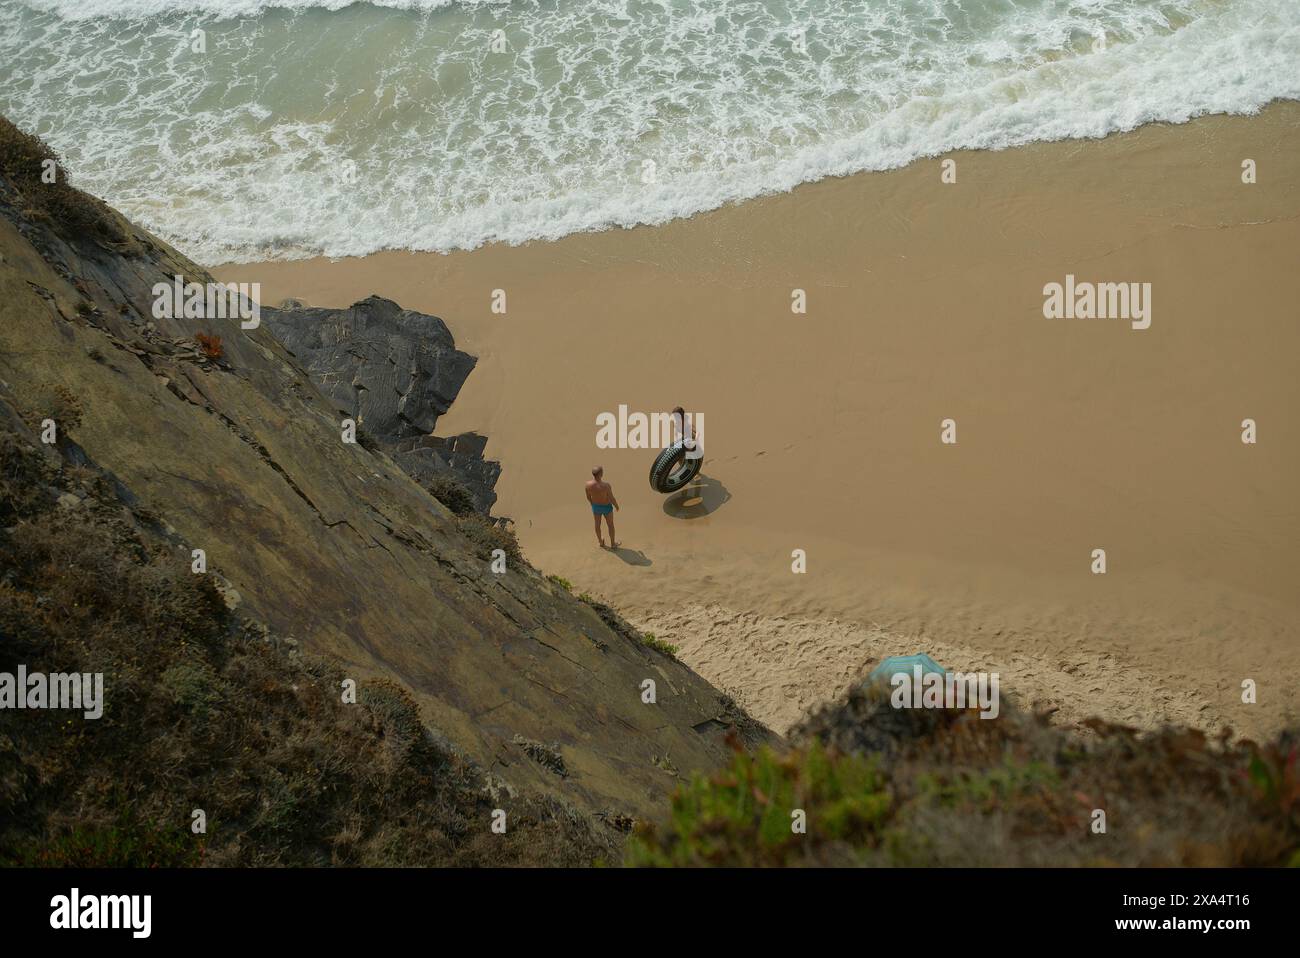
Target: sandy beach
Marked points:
823	428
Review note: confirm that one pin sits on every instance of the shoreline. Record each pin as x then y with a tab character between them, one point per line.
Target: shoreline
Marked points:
1277	104
924	303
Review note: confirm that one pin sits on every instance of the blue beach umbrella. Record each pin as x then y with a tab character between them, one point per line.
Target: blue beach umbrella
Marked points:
905	664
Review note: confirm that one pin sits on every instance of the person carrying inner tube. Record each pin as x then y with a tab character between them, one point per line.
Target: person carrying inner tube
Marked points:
681	461
601	496
685	432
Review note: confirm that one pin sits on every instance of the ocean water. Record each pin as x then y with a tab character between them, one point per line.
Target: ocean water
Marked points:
312	127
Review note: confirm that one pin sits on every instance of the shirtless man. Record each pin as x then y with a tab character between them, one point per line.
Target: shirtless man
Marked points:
601	496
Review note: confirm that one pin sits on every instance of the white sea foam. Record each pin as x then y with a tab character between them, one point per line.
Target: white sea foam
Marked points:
248	151
138	9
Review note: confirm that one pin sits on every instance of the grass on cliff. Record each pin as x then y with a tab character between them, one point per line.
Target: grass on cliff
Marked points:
878	786
485	533
27	163
453	494
609	615
204	711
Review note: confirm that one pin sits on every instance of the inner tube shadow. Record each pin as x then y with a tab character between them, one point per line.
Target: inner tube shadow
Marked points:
702	496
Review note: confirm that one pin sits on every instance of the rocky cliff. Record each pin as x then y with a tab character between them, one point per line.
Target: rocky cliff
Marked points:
225	439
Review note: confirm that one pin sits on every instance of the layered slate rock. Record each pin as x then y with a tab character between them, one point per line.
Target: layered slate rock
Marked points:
426	457
395	372
335	545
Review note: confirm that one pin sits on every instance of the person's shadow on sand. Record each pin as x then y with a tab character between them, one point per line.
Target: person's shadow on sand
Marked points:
631	556
702	496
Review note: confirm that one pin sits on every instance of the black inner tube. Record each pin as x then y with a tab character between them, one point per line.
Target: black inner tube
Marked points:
672	469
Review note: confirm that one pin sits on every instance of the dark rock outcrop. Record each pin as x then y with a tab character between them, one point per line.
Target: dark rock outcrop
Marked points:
394	371
427	457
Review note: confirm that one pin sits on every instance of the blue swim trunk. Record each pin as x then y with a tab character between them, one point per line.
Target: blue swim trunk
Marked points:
602	509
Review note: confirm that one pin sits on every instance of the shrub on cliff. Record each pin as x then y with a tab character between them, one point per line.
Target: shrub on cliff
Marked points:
453	494
879	786
487	535
26	162
210	345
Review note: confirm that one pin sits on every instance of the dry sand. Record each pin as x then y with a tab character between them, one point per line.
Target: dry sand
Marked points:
822	431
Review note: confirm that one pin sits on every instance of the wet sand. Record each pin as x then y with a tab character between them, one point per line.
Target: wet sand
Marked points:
822	430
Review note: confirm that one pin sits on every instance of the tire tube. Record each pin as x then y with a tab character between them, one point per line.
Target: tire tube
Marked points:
664	479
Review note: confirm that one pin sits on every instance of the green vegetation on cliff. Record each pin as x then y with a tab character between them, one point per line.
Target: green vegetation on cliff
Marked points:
880	786
39	177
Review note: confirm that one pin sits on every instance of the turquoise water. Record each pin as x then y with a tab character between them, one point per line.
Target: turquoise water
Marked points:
344	128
